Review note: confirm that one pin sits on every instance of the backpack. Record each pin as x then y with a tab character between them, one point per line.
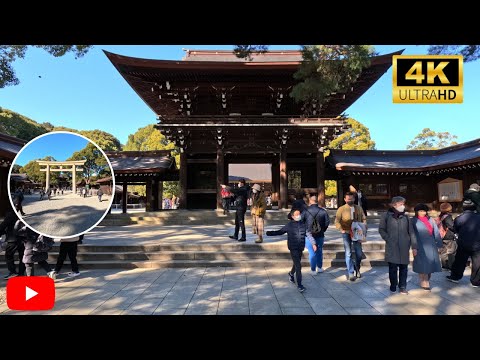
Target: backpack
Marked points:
441	228
316	228
43	244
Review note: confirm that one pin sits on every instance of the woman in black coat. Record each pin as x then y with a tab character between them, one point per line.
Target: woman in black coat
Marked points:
445	225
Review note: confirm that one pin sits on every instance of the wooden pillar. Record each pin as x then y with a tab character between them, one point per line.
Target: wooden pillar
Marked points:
74	179
47	181
320	179
183	181
275	180
155	195
340	193
220	175
283	201
124	197
159	195
148	188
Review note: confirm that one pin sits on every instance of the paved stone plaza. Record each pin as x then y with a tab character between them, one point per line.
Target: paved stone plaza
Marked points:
65	214
254	291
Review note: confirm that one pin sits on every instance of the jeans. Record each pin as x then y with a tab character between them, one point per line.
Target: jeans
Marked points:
315	258
357	247
297	265
70	249
396	271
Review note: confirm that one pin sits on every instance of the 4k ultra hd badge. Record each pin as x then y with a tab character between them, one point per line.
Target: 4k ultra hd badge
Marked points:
427	79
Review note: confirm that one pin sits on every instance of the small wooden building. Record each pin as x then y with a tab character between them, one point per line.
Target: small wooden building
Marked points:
149	168
9	148
421	176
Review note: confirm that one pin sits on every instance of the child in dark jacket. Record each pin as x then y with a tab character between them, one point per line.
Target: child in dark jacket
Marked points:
297	232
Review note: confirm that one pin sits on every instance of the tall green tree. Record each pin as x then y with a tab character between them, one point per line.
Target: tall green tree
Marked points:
105	140
22	127
10	53
431	140
146	139
32	169
325	69
95	163
16	169
469	52
357	137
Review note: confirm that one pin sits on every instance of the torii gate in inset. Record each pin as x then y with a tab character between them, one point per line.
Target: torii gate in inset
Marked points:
64	166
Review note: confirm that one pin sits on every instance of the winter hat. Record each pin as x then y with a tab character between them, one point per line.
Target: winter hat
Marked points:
256	187
445	207
475	187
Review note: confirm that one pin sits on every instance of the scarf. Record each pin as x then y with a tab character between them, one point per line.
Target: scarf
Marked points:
396	213
427	224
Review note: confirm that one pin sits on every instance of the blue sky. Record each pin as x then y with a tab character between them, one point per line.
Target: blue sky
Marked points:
59	145
89	93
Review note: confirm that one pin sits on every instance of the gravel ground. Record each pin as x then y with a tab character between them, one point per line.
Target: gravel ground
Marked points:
3	295
64	215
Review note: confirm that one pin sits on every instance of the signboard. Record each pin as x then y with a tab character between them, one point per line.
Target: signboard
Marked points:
450	190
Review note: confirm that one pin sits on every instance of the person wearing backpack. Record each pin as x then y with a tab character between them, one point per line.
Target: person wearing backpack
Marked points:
317	221
14	244
446	228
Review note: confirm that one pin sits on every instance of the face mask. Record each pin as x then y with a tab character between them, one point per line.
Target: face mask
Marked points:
351	202
254	191
297	218
239	185
400	208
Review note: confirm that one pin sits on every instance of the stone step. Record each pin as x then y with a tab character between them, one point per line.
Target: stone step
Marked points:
202	255
126	264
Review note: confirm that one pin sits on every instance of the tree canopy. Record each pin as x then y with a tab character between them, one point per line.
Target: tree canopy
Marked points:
10	53
146	139
22	127
355	138
469	52
325	69
32	169
431	140
95	164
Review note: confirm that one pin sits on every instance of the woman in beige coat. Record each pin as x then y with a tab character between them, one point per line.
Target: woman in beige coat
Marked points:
259	208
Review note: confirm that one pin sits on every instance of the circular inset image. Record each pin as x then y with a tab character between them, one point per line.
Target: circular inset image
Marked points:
61	184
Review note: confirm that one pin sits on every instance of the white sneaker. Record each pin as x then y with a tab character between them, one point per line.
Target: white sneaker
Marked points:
313	272
52	275
320	270
73	274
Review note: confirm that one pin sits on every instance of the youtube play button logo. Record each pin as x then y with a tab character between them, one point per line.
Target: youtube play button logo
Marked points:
30	293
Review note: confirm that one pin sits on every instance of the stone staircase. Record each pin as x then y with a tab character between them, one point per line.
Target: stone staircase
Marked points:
205	217
192	255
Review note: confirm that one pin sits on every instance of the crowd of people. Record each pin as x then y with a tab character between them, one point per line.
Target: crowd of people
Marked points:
32	247
435	243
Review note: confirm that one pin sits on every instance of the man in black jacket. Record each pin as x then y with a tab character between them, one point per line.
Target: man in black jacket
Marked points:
467	226
296	231
473	194
240	196
14	244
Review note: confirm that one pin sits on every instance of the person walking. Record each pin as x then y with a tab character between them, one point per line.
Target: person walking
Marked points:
297	233
467	226
317	222
445	226
428	237
226	195
241	196
397	230
14	243
99	194
346	214
68	247
258	211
